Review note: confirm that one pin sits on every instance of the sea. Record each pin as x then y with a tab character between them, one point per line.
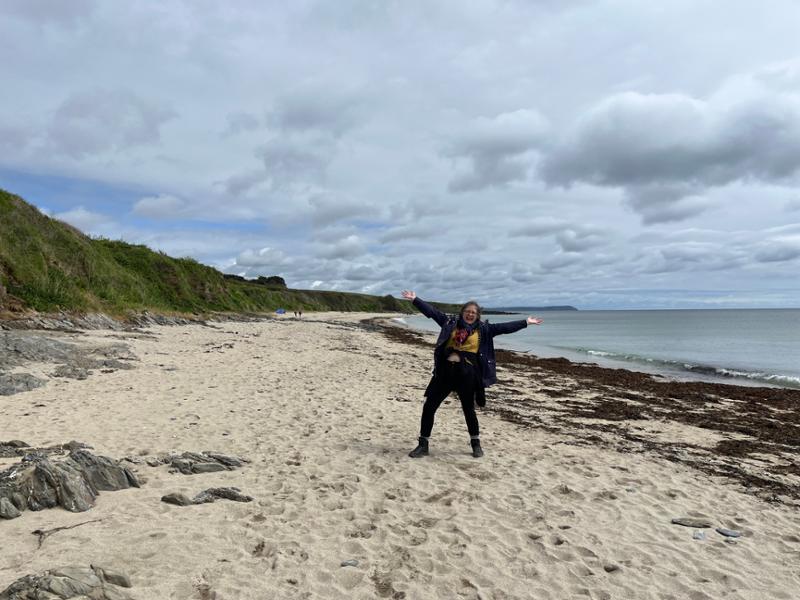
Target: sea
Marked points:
757	347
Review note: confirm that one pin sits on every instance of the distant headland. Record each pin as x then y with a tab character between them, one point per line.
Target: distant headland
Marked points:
507	310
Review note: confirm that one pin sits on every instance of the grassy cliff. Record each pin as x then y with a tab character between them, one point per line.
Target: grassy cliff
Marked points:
47	265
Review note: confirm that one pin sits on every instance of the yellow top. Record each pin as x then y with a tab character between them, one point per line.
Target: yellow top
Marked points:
469	345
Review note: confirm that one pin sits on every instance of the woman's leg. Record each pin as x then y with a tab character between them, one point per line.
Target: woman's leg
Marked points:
435	398
466	393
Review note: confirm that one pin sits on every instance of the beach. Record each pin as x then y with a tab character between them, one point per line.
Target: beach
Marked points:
585	469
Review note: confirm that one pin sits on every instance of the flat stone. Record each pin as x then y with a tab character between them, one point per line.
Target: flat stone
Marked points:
352	562
730	533
692	522
611	567
208	467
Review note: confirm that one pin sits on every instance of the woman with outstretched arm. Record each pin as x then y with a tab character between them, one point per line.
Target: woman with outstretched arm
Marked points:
463	362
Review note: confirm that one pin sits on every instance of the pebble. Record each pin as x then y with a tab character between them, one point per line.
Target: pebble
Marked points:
351	562
692	522
610	568
730	533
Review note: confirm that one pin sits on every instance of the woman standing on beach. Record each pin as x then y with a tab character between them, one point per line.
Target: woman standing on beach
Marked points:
463	362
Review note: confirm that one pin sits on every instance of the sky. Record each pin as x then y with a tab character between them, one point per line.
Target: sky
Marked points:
602	154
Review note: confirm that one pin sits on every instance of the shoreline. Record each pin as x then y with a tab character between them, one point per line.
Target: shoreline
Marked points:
743	415
674	369
574	497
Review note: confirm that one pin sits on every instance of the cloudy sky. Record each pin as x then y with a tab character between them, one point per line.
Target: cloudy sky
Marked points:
605	154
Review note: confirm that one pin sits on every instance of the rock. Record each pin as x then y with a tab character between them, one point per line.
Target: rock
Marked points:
352	562
13	383
37	482
8	510
71	372
114	577
611	567
692	522
222	493
208	467
177	499
92	582
729	533
190	463
207	496
12	448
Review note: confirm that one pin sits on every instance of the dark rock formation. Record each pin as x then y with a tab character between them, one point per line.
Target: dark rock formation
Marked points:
190	463
38	482
92	582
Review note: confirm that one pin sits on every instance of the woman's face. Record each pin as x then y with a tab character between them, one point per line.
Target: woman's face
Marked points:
470	314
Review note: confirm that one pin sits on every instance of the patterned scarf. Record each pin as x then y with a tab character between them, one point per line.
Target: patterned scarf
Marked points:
464	330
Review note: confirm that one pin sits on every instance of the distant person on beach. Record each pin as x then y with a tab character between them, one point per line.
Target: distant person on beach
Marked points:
462	362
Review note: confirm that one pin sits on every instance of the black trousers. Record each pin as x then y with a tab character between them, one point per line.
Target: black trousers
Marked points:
451	377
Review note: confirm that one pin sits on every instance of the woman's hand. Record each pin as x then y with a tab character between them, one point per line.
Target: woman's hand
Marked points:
534	321
408	295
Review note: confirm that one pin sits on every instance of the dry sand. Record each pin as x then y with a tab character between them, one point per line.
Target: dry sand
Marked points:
326	413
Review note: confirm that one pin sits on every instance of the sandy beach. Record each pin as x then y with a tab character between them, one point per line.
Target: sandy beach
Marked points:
584	471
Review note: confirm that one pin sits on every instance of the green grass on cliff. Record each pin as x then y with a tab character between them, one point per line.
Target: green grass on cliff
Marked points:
47	265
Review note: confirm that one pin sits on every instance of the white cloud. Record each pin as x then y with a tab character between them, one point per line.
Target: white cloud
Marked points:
163	206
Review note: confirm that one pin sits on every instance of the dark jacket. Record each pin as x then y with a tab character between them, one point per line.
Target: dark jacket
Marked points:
487	331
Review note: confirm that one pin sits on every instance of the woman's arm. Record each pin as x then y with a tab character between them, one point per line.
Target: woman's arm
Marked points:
512	326
425	308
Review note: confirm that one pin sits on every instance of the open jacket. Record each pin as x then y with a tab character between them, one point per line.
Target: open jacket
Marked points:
486	332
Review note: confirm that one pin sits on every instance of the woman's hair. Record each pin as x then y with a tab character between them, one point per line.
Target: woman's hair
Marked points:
471	303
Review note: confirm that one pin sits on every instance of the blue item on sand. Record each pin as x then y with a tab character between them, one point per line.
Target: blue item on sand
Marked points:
280	311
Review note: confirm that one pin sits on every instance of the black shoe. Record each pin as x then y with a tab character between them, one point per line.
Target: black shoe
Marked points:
477	451
420	450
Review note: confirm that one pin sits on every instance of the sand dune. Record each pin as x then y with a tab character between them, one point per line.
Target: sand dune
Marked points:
326	412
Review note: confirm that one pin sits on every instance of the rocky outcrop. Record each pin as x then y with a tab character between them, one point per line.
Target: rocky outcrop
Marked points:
97	583
190	463
38	482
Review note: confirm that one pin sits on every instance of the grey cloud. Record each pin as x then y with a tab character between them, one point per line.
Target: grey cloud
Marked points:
326	210
320	106
792	206
243	182
159	207
350	247
541	226
578	240
656	142
560	260
49	11
497	149
665	203
97	121
409	232
241	122
87	221
362	273
288	160
691	256
779	251
264	258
